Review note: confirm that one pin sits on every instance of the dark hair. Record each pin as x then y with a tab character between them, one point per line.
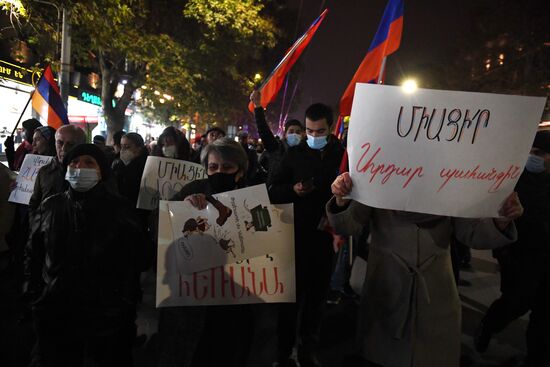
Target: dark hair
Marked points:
293	122
215	128
117	136
30	125
99	139
182	144
135	138
318	111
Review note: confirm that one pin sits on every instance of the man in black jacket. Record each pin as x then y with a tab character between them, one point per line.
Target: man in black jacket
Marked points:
304	178
85	251
525	265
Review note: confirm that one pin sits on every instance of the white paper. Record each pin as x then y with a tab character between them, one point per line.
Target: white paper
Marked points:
266	278
163	178
439	152
27	176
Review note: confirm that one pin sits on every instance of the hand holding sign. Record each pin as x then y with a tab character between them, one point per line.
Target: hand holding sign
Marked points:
511	210
198	201
341	187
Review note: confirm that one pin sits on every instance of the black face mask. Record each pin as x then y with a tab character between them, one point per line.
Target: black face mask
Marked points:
222	182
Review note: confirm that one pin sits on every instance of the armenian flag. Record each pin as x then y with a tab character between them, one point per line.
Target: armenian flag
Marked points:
46	100
385	42
271	85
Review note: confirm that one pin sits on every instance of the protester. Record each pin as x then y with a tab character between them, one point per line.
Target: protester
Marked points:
213	134
15	159
128	170
50	179
525	264
252	171
188	334
410	310
172	144
109	151
116	141
81	272
303	178
209	136
43	141
7	210
275	148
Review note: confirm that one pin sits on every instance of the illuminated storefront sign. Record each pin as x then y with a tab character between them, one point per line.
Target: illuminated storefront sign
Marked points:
17	73
90	98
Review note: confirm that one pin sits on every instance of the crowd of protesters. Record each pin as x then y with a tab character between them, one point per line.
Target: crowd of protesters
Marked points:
77	250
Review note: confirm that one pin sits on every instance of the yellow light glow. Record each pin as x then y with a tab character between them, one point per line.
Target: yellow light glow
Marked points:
409	86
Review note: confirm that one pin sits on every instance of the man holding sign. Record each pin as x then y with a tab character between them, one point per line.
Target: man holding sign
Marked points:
425	168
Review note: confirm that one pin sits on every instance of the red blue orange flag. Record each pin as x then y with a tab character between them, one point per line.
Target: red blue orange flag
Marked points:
272	84
385	42
46	100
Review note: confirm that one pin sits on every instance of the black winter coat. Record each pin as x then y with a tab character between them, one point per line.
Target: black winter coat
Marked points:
534	225
128	177
303	163
86	249
275	149
49	181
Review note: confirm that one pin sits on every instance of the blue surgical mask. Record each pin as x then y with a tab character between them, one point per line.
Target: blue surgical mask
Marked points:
82	179
317	142
535	164
293	139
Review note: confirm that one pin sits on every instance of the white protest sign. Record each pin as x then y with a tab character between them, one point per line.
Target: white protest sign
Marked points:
163	178
236	225
26	178
438	152
263	279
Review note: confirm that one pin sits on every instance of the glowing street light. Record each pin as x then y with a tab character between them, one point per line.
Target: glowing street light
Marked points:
257	77
409	86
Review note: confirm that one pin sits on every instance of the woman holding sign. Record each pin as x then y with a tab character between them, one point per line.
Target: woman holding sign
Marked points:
410	309
189	335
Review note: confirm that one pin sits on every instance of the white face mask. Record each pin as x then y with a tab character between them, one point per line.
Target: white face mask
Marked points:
126	156
169	151
82	179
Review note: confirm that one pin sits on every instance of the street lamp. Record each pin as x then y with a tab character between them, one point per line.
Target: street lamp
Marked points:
409	86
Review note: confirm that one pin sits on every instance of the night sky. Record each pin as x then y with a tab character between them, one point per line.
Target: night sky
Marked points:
343	39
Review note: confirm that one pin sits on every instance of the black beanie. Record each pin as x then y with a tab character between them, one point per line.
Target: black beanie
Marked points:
91	150
31	124
542	140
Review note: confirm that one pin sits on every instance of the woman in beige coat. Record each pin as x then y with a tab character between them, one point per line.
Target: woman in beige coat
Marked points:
410	309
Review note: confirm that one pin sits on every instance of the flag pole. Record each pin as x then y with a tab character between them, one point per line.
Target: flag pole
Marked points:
22	112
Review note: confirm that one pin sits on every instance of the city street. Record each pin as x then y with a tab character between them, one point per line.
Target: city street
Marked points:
507	349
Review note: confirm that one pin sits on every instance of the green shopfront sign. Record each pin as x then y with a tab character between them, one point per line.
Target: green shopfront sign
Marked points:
91	98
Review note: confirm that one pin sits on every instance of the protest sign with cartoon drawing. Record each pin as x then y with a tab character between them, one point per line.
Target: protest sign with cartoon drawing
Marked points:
235	225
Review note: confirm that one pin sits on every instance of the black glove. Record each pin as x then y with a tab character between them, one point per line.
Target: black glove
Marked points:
8	143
